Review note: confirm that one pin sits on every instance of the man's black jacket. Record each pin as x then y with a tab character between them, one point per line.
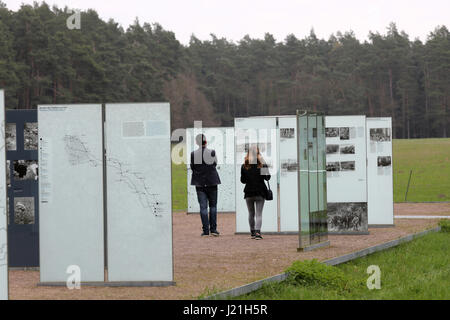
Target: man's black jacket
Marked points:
203	165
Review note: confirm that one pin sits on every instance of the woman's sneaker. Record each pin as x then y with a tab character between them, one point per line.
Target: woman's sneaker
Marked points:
253	234
258	236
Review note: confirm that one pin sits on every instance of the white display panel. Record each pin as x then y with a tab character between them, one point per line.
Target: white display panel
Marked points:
379	171
346	174
139	192
347	185
3	211
71	192
262	131
288	174
222	141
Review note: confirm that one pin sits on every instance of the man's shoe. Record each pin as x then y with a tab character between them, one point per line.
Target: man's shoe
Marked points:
215	233
204	234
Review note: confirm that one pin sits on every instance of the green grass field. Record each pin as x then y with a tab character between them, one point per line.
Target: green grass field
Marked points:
428	158
416	270
179	187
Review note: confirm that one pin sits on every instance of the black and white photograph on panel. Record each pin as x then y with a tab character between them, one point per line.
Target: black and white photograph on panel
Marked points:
30	136
332	132
11	137
332	148
263	147
289	165
287	133
348	149
384	161
26	170
24	210
333	166
380	134
347	165
8	173
344	133
347	217
7	209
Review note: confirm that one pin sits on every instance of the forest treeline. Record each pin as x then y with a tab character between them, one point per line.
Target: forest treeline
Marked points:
42	61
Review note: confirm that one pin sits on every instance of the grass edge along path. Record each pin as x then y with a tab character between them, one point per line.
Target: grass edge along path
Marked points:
274	280
418	269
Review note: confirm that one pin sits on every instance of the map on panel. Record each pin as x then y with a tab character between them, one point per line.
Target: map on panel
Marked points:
79	154
137	184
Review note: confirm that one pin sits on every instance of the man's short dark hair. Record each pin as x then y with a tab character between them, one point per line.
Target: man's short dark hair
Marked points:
200	139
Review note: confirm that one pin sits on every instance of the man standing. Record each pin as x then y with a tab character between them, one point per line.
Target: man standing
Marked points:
205	179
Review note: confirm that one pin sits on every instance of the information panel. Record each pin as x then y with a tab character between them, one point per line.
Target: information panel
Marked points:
288	174
222	141
3	211
263	133
71	192
346	174
139	192
379	171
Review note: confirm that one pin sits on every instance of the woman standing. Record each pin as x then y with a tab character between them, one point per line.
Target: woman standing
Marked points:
254	172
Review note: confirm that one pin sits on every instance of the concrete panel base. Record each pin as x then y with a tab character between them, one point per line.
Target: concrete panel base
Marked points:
314	246
113	284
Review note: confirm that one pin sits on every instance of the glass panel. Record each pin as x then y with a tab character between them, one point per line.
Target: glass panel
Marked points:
302	125
313	181
322	177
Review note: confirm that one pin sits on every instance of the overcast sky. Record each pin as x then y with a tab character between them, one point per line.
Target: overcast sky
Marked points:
233	19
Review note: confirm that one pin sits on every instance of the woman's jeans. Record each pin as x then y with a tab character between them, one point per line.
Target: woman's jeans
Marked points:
208	196
255	207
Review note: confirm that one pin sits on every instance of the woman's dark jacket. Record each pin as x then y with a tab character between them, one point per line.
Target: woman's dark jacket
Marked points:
254	180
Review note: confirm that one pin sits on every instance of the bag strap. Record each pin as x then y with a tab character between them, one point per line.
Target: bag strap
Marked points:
268	184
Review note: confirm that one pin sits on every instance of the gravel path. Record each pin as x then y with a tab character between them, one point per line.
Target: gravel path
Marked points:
207	265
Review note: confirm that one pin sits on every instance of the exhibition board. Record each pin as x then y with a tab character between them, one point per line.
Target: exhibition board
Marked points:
3	211
288	174
261	132
22	169
379	171
346	174
71	192
222	141
139	192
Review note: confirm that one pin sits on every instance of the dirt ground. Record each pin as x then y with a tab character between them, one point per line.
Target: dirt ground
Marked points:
203	266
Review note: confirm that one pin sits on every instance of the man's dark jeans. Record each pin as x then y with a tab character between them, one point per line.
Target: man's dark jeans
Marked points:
208	196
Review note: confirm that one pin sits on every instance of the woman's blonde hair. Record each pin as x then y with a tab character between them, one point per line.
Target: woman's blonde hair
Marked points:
253	157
